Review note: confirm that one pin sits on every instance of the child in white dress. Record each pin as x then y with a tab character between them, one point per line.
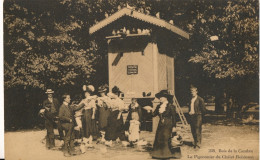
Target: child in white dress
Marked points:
134	129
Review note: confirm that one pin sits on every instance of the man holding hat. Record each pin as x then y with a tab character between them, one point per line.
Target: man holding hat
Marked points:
51	106
196	110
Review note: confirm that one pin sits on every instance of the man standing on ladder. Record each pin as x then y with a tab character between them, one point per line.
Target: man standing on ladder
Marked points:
196	110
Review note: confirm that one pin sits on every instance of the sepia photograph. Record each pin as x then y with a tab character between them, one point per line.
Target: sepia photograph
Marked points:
131	79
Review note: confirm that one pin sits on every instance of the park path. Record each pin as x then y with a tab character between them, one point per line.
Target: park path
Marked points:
27	145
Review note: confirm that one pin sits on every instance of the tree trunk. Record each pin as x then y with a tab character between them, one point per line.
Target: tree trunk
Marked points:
219	99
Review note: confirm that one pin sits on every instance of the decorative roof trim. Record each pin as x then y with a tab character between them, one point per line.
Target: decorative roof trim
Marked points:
140	16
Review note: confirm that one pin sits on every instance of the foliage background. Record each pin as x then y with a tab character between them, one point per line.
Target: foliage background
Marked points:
46	45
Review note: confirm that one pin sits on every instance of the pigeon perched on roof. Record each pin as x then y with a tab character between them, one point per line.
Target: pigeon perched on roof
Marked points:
124	30
129	7
113	32
139	31
148	94
158	15
106	15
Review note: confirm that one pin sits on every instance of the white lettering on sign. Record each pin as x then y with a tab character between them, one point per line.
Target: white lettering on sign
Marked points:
132	69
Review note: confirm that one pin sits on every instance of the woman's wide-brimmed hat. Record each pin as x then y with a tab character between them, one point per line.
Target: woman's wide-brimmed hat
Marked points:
102	89
116	90
89	88
49	91
164	93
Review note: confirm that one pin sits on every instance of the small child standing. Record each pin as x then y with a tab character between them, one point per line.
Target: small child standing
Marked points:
134	129
133	107
78	115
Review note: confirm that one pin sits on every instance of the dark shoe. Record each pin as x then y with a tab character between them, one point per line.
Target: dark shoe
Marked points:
74	152
50	147
62	148
196	147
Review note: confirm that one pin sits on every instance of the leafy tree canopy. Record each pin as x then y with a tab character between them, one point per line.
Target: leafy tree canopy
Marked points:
45	45
47	42
235	24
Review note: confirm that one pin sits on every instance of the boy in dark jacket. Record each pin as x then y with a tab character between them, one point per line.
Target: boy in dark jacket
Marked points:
196	110
66	115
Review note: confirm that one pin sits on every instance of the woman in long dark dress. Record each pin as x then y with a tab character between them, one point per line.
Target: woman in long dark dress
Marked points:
89	117
104	110
167	113
115	124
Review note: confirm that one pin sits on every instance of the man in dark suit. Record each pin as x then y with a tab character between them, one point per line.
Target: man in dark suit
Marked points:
51	107
66	115
196	111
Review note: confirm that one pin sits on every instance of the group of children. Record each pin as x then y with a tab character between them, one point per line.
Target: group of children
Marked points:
102	116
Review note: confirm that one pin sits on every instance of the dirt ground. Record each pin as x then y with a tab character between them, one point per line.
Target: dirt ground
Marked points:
228	142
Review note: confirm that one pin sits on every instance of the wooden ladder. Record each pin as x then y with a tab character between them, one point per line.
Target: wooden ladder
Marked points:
184	127
179	110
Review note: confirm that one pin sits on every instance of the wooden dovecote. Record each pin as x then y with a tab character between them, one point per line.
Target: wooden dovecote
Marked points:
140	52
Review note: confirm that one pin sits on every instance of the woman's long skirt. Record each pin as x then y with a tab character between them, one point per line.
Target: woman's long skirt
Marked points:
90	125
115	127
103	118
162	143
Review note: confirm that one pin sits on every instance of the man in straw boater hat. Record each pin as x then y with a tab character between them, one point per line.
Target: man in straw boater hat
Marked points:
196	110
50	112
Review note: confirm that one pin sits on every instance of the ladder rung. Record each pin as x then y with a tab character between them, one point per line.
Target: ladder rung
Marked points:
180	113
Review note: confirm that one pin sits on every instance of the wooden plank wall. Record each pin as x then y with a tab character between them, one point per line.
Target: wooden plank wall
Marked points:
170	73
155	68
162	83
136	83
